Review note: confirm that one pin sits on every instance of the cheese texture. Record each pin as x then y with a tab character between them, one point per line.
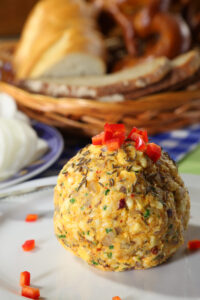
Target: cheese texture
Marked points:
118	210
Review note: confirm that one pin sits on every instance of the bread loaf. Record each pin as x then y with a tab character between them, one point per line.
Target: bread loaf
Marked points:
60	39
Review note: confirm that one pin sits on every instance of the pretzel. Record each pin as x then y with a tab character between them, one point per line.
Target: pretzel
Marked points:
122	11
140	19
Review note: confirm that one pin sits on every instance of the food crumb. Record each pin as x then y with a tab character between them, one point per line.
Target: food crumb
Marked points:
31	218
193	245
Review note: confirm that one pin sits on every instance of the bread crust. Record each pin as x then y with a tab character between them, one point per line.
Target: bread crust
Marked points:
162	75
48	24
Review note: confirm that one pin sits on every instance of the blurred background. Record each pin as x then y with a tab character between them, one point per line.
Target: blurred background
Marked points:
12	16
183	81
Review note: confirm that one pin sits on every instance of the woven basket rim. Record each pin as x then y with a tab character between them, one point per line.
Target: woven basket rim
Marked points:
158	112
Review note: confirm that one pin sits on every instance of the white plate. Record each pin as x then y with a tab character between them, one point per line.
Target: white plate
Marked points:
55	148
62	276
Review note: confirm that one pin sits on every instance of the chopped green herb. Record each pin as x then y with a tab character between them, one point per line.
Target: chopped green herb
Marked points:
105	207
107	191
147	213
86	194
72	200
88	232
108	230
94	262
111	247
170	226
83	232
76	189
109	254
62	236
108	173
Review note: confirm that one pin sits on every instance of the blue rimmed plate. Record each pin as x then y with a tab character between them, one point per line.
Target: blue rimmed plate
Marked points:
55	145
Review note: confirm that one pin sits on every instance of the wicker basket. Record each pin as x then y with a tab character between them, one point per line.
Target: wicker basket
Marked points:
157	113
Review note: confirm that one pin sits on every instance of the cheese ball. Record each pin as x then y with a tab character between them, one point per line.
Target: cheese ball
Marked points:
119	210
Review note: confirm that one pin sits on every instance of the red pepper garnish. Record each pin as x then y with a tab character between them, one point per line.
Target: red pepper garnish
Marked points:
139	137
142	133
98	139
108	135
25	278
28	245
139	142
30	292
113	131
116	298
31	218
114	136
114	128
113	144
153	151
193	245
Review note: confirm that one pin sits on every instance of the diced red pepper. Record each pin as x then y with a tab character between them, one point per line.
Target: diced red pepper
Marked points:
114	136
116	298
113	131
121	137
153	151
31	218
30	292
194	245
114	128
143	133
133	130
139	142
98	139
25	278
113	144
139	137
28	245
107	136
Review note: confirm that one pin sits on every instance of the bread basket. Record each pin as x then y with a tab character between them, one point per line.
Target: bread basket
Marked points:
157	113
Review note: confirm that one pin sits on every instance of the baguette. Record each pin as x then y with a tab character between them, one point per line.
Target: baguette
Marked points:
59	39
